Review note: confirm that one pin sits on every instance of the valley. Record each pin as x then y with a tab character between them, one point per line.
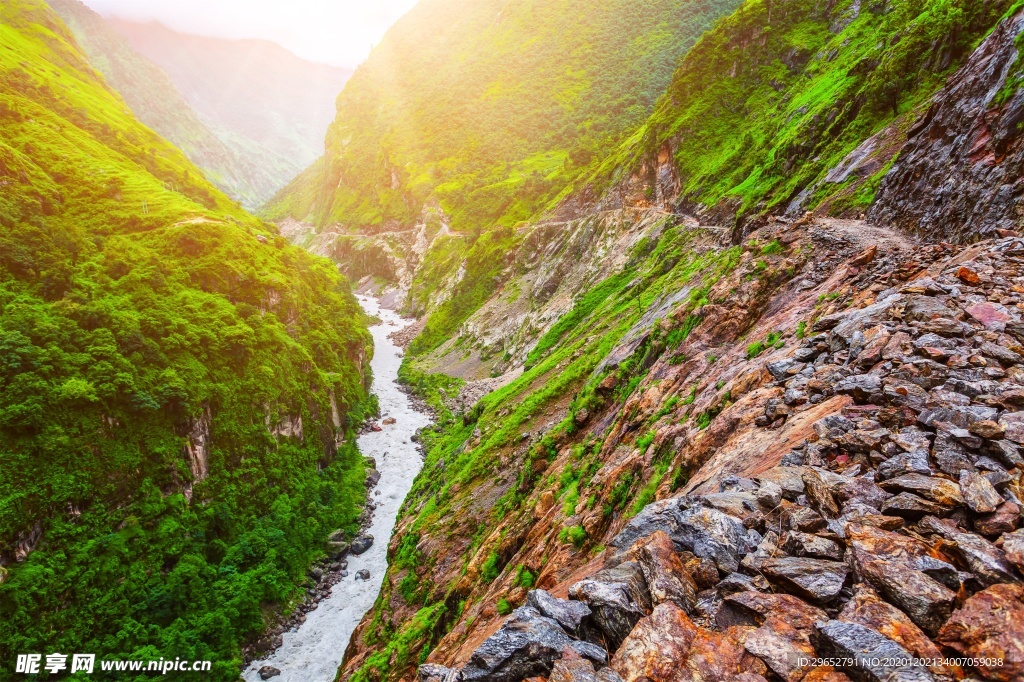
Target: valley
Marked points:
671	340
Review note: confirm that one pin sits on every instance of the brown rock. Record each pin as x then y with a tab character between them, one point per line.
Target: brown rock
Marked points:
986	561
990	626
986	428
868	610
1005	519
667	578
819	495
1013	547
666	646
544	504
757	608
825	673
939	490
572	668
967	276
981	497
1013	427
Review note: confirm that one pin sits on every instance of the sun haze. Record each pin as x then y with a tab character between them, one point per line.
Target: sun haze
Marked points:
339	32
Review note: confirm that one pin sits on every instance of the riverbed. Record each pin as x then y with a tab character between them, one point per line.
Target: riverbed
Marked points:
313	652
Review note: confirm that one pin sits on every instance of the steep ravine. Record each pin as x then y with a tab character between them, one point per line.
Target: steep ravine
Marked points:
313	652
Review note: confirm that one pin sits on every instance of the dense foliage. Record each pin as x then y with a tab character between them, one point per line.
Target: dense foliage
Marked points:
140	307
491	106
780	92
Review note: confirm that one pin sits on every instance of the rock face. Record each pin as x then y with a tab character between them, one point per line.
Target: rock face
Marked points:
959	175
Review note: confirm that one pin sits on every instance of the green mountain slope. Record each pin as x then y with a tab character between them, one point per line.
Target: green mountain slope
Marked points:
152	335
490	107
797	105
156	102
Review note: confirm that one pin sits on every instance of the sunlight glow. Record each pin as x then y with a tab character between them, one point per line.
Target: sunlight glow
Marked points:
339	32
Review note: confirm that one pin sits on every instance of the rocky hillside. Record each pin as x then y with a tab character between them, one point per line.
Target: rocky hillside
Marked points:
691	430
153	98
263	101
179	387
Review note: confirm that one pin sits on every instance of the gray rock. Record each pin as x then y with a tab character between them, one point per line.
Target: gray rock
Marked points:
869	650
813	546
1013	426
950	456
361	544
267	672
608	675
813	579
942	491
618	598
362	574
526	645
915	462
569	614
986	561
911	507
429	672
860	386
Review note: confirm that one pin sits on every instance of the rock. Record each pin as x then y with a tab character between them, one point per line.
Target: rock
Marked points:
813	546
1008	453
389	421
429	672
987	429
1005	519
336	549
572	667
738	582
950	456
526	645
1013	426
990	626
986	561
968	276
569	614
267	672
819	494
981	497
372	478
939	490
868	610
904	463
618	598
1004	355
803	519
362	574
814	579
756	608
608	675
1013	547
667	646
667	578
892	564
992	315
869	650
361	544
911	507
860	386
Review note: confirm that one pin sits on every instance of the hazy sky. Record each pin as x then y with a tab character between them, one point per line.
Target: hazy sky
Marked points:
339	32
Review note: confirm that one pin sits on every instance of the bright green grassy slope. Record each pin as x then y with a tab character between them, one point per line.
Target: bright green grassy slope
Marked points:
134	297
491	106
781	91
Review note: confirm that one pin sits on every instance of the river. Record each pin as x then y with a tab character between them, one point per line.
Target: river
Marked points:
314	651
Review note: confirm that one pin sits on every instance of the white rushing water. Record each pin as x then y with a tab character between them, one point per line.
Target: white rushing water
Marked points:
314	651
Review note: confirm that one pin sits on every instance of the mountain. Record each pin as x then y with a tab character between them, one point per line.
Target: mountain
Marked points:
179	387
487	107
698	418
254	94
145	87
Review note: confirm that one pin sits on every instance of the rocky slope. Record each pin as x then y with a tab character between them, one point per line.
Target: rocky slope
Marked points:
709	452
153	98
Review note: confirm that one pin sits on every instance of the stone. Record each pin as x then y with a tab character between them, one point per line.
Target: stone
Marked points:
803	519
608	675
361	544
738	582
819	495
1008	453
979	494
618	598
1012	424
870	652
1013	547
993	316
668	647
867	609
967	276
362	574
990	627
814	579
861	489
1005	519
572	667
925	308
268	671
813	546
428	672
892	563
904	463
987	429
859	386
567	613
910	507
939	490
667	578
950	456
986	561
1002	354
526	645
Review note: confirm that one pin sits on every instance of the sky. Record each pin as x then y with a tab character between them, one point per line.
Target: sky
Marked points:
338	32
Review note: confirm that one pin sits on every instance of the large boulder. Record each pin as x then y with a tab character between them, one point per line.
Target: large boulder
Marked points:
567	613
870	653
815	579
526	645
990	627
667	578
618	597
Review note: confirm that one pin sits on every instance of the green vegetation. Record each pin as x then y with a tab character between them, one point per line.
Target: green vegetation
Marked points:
141	305
780	92
437	112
